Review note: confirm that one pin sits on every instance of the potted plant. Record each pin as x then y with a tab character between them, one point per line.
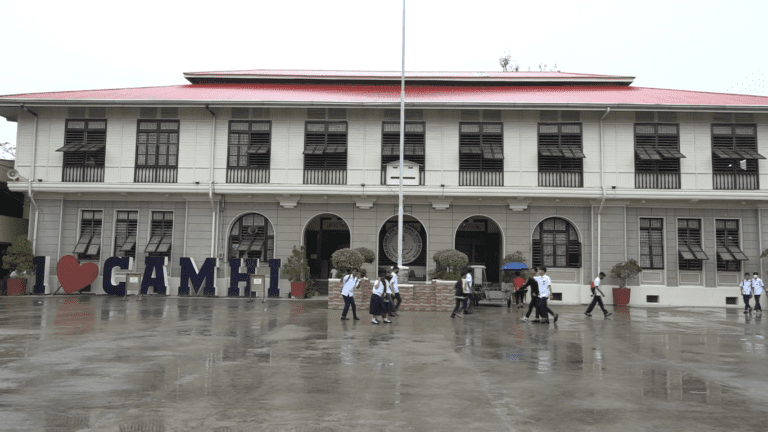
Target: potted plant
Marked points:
18	259
369	256
448	264
296	269
624	271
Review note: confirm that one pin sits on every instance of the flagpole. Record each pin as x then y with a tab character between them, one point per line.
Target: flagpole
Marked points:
402	137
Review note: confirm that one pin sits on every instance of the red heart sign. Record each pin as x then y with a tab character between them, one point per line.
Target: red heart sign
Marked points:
72	276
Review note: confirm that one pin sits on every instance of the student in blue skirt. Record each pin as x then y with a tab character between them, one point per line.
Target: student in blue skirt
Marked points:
378	308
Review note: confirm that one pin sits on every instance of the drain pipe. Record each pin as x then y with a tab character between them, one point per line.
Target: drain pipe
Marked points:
602	202
29	181
210	184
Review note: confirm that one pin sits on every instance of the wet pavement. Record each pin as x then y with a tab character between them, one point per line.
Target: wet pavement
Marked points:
185	364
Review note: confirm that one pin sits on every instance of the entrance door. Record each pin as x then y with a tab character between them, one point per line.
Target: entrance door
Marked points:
480	239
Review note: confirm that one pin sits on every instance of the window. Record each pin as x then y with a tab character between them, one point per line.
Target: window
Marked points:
556	244
89	243
252	236
126	227
325	152
413	145
84	148
734	156
729	254
161	234
157	151
657	156
689	251
481	154
652	243
561	160
249	151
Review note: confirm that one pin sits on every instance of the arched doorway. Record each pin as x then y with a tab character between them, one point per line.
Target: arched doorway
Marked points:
252	236
324	234
480	237
414	247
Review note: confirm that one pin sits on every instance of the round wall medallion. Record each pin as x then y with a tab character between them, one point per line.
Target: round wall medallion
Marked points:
412	244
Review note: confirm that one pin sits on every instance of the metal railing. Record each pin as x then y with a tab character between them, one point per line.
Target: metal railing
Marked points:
561	179
325	176
83	174
657	180
155	175
247	175
481	178
734	181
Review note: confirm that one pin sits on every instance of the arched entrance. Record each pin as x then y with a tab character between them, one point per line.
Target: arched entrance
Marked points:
480	237
414	247
324	234
252	236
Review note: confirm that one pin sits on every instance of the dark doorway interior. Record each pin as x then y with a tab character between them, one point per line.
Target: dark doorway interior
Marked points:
324	235
480	239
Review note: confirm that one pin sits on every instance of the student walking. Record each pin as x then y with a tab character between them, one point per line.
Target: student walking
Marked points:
757	289
460	295
350	281
469	290
519	292
378	308
395	291
746	292
545	283
598	295
534	284
388	294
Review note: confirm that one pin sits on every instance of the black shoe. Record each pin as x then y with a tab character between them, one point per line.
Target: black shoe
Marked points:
356	319
556	317
468	313
344	319
544	322
607	314
587	314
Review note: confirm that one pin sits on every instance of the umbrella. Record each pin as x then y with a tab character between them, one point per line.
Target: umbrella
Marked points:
514	266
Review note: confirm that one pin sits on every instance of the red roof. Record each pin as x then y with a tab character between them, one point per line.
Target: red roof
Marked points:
389	94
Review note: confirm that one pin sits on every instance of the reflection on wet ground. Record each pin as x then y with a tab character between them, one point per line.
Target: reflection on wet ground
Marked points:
164	364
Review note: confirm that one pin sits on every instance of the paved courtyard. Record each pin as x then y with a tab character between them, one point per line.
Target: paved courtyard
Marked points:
186	364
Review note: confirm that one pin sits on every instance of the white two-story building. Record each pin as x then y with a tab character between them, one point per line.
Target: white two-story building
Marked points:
577	171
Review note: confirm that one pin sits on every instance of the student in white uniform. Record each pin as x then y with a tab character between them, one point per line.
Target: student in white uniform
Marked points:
350	282
460	295
395	291
757	289
377	303
746	292
470	290
598	296
545	284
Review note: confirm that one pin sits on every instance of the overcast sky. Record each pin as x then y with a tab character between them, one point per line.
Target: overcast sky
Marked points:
702	45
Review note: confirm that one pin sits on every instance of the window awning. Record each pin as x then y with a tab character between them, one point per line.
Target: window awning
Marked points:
471	150
82	244
568	152
129	243
737	154
492	152
691	252
258	149
670	154
71	147
314	149
335	149
154	242
731	253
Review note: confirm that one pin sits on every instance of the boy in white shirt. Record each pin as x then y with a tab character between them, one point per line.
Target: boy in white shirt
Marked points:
350	281
746	292
757	289
597	294
395	291
544	290
470	292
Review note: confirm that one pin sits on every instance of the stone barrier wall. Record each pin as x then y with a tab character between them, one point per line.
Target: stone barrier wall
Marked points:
418	296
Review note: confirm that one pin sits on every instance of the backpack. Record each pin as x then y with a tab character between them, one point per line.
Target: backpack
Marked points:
592	287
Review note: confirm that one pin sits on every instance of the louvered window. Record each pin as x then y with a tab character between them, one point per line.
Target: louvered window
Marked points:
481	151
126	228
689	250
161	234
89	242
325	152
249	151
729	254
413	145
556	244
652	243
252	236
561	159
157	143
657	156
734	156
84	148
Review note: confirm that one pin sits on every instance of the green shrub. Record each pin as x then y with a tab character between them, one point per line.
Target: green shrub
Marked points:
19	256
624	271
296	267
346	259
448	264
369	256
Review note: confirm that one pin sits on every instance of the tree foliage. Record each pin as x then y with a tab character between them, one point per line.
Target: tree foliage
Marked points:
296	267
19	256
624	271
369	256
347	259
7	151
448	264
